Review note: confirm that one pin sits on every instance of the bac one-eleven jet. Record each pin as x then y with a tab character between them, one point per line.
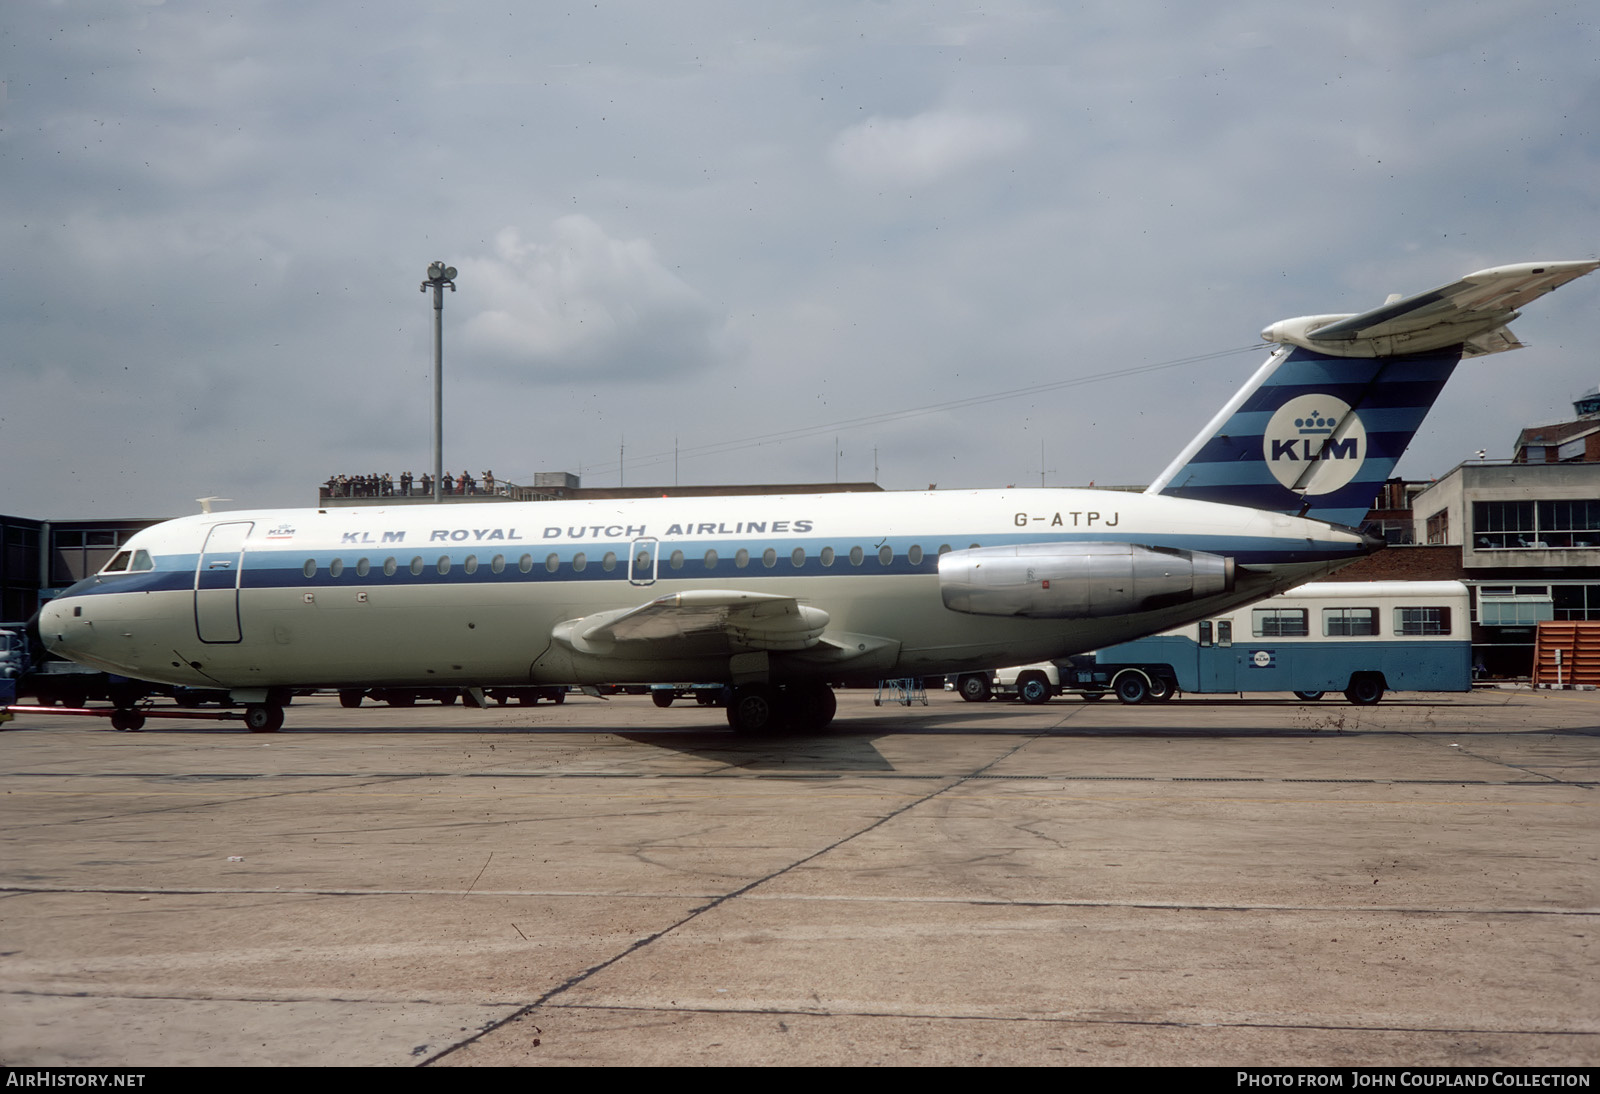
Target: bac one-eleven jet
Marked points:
781	595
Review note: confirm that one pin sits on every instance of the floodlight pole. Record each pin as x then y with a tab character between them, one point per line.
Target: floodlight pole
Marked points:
439	275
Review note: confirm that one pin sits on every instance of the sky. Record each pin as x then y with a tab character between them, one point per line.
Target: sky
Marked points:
973	244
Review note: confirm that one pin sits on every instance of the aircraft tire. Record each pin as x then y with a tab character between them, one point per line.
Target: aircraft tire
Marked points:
974	688
1365	690
754	710
1308	696
1131	688
350	697
263	717
1033	689
559	697
130	721
662	698
812	706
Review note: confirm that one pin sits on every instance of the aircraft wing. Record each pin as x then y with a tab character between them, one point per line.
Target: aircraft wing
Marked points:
697	623
1473	311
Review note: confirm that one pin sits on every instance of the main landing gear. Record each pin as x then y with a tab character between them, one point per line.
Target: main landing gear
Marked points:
766	709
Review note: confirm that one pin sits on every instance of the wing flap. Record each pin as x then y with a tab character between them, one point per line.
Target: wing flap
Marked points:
698	623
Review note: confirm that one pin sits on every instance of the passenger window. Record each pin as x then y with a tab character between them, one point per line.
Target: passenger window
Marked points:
711	560
914	556
798	557
580	562
552	562
363	568
1422	621
1349	622
336	567
827	556
389	567
310	568
856	555
525	564
769	558
609	563
1279	623
443	565
498	564
416	565
471	564
742	559
885	555
676	561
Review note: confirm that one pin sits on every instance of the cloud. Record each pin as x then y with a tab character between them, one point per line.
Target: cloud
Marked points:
925	147
586	304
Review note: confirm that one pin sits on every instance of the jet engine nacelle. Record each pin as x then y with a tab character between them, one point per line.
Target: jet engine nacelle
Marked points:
1078	580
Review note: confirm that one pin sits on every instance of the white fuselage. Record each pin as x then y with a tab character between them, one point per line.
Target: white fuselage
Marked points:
455	595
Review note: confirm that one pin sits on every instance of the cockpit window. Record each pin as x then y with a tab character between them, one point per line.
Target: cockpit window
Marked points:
118	563
141	561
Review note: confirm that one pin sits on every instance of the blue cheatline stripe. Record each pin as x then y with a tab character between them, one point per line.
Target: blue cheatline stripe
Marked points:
269	569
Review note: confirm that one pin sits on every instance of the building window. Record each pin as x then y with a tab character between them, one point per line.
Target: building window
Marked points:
1514	605
1535	525
1579	602
1439	528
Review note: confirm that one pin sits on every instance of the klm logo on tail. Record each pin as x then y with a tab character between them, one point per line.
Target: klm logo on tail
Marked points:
1321	424
1314	444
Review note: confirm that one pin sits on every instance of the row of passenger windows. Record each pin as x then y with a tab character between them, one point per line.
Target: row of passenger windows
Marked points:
643	563
1347	622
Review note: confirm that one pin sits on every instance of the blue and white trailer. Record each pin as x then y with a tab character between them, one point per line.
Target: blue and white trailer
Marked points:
1362	638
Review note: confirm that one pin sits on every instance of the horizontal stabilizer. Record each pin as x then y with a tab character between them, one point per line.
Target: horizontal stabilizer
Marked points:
1471	312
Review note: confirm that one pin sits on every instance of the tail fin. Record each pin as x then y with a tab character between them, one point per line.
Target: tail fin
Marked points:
1320	426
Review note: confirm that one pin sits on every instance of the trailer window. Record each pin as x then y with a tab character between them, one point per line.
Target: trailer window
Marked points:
1279	623
1422	621
1349	622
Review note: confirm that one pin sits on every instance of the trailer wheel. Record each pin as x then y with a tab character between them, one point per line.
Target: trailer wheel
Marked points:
1365	690
1161	689
1308	696
975	688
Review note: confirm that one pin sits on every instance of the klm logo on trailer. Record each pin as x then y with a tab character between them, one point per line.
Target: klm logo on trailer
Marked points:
1314	444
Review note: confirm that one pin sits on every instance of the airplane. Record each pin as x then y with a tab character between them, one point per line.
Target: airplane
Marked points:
779	595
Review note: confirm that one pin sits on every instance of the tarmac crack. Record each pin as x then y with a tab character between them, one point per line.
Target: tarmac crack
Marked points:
717	902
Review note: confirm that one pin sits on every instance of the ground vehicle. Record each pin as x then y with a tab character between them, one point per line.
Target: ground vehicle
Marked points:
1360	637
707	695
